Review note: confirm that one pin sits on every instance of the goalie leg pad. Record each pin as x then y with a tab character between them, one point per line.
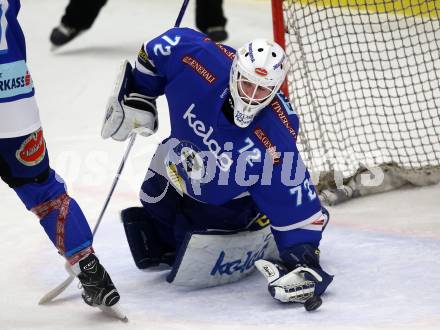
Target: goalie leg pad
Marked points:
212	258
146	247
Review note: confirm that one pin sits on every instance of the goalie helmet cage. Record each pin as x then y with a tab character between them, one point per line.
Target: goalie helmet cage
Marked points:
364	79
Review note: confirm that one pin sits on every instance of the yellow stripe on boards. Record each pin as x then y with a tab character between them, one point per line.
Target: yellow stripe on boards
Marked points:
429	9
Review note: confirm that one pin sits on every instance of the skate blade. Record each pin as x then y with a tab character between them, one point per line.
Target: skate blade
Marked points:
114	311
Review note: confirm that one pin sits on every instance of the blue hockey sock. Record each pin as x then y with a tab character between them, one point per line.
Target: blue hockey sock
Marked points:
60	215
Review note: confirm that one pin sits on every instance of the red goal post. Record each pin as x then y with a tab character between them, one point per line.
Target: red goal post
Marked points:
278	30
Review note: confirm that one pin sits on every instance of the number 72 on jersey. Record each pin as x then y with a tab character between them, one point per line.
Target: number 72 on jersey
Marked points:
298	192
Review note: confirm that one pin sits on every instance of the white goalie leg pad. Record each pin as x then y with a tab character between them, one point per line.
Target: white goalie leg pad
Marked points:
216	257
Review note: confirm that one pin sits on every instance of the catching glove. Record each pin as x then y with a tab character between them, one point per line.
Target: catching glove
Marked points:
298	278
288	286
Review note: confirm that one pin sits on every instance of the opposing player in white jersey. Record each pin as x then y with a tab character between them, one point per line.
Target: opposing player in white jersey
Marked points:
230	164
24	165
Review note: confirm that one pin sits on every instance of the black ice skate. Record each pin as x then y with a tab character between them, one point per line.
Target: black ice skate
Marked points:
97	284
217	33
63	34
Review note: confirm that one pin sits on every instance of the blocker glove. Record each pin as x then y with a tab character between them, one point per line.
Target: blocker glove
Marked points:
127	114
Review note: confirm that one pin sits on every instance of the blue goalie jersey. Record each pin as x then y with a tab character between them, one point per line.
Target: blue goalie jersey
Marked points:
211	159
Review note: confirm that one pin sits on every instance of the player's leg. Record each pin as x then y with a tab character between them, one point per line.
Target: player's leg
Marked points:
78	17
24	166
210	19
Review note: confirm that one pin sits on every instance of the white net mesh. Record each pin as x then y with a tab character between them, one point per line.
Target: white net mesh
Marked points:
365	81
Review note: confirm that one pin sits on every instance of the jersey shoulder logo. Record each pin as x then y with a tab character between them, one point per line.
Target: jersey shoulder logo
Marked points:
199	68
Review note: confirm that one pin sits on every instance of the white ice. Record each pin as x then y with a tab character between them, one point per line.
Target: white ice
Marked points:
384	250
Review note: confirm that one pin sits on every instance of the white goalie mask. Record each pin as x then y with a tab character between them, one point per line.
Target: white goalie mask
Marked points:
258	70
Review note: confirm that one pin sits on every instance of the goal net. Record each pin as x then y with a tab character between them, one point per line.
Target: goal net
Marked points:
364	79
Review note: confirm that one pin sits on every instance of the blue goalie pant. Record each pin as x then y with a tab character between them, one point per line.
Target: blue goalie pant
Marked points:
156	231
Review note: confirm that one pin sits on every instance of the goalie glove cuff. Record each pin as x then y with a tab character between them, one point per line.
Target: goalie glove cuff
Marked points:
320	286
307	255
301	254
136	113
138	103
